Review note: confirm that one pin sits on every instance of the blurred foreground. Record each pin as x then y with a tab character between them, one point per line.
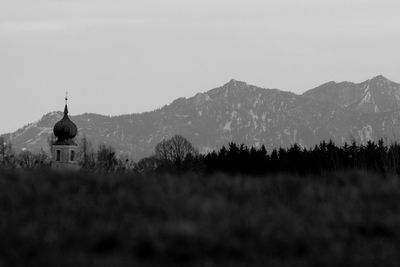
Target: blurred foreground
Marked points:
84	219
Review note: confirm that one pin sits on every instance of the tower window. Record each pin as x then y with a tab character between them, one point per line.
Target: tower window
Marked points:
72	155
58	155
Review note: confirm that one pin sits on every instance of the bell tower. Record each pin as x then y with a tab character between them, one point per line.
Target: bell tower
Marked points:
64	149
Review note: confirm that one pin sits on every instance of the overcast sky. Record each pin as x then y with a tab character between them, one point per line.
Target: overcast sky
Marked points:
116	56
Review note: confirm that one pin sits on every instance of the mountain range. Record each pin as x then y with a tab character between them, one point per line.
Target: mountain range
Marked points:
242	113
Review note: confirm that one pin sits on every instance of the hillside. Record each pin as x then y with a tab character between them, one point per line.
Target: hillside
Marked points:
242	113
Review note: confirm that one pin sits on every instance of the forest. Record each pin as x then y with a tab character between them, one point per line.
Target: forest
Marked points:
323	206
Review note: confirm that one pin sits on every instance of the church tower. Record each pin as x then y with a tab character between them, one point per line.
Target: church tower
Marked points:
64	149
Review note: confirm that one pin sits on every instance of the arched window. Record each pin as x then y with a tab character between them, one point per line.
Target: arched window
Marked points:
58	155
72	155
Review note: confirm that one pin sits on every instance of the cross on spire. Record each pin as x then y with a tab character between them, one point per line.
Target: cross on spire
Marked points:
66	108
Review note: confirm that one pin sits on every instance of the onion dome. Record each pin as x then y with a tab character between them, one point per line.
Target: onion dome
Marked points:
65	129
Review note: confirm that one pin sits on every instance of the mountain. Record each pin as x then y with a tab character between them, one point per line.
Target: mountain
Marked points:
372	96
242	113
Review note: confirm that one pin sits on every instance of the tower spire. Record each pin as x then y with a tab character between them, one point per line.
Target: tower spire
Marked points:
66	100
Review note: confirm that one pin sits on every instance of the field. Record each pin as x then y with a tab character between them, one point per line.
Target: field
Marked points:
83	219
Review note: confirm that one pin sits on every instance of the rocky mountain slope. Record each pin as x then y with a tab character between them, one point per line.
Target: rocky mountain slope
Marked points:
242	113
372	96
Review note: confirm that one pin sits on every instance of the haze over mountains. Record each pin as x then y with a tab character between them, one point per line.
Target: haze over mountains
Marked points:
245	114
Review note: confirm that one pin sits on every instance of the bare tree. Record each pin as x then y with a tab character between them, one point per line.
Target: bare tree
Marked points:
6	154
146	165
106	158
86	153
26	160
175	150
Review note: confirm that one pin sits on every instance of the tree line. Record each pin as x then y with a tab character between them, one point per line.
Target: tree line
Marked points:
177	154
322	158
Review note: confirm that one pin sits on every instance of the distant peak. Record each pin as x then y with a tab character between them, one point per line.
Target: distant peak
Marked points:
231	87
235	82
380	77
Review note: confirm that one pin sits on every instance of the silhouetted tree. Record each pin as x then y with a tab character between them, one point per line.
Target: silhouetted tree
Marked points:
28	160
146	165
6	154
174	150
106	159
86	154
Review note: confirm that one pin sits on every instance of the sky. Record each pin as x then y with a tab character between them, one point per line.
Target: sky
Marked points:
127	56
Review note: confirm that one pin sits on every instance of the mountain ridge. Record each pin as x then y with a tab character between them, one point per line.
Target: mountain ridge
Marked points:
243	113
362	96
